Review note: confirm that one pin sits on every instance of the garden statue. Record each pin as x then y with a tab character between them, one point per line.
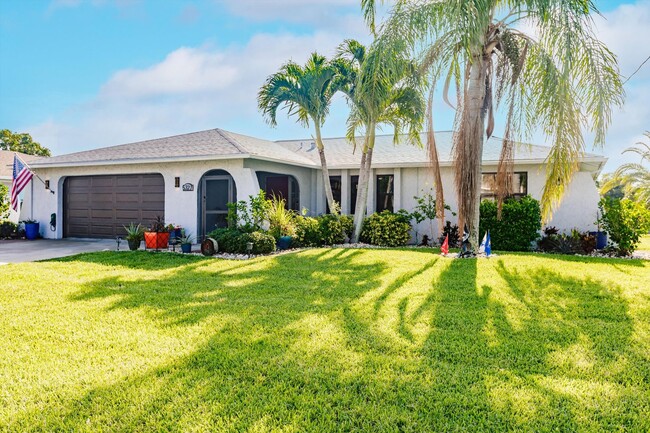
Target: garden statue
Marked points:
466	246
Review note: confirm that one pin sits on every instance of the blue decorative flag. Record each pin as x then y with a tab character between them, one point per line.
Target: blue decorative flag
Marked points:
488	246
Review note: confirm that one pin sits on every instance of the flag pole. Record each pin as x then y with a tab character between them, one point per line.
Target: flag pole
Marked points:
30	169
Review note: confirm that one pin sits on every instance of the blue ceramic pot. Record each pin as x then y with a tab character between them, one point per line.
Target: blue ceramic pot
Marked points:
31	230
284	242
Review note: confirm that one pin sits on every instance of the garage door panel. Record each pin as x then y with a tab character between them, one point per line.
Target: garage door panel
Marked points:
99	206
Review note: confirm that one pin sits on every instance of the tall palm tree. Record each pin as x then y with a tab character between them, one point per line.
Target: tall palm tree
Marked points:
306	92
379	92
634	177
561	80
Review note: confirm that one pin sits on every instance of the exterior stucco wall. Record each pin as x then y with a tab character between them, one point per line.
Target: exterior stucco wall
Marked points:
303	175
13	215
577	210
181	207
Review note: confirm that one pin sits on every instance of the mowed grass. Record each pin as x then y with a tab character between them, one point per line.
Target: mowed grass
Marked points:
325	340
644	244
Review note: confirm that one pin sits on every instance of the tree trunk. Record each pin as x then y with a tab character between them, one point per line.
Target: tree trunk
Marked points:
469	152
362	188
325	170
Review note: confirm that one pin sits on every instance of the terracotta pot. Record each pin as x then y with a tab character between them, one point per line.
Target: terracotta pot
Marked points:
156	241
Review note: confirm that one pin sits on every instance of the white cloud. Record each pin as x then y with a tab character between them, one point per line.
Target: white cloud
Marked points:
192	88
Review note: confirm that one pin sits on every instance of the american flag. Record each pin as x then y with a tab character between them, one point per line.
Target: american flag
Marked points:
21	177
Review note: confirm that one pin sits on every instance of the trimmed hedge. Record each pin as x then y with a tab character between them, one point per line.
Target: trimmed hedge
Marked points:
234	241
521	220
386	229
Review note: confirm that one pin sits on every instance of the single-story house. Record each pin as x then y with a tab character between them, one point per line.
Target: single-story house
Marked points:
188	179
6	174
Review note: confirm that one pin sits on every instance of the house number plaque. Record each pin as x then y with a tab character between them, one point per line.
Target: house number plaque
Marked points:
188	187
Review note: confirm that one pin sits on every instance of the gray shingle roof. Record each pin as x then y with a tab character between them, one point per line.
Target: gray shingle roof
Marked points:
220	144
339	151
215	143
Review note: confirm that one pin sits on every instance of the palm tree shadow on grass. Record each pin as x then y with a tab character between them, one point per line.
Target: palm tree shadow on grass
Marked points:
498	371
474	369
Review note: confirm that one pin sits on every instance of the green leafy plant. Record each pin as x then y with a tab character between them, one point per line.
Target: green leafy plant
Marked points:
386	229
281	219
234	241
424	210
249	216
519	226
625	221
331	230
186	238
307	232
8	229
134	232
4	201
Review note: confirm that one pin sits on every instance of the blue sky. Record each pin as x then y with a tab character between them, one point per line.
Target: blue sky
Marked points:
79	74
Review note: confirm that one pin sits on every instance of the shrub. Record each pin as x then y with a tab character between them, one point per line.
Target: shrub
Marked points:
347	222
307	232
5	202
454	235
8	229
330	230
386	229
249	216
263	243
521	220
230	240
625	221
233	241
573	243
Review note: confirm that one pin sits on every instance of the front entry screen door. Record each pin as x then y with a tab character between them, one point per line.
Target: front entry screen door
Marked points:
217	193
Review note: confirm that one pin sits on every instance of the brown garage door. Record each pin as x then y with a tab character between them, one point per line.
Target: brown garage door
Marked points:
99	206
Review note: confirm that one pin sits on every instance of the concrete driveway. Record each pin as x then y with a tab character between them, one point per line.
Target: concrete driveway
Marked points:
42	249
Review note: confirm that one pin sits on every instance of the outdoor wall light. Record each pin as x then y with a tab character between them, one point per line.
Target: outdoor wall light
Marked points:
177	182
47	184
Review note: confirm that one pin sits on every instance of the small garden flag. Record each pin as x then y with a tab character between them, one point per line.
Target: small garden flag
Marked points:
488	247
21	177
444	249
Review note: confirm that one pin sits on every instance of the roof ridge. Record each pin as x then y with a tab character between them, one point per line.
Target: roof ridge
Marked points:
225	134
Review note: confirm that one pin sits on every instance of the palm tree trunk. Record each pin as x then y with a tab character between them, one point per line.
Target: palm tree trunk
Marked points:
364	178
324	169
469	150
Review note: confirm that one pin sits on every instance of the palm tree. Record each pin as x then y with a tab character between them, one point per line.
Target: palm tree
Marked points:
306	92
562	80
377	95
633	177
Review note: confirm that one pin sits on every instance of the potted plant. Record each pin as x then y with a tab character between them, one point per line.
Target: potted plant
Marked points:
31	229
601	237
186	242
281	222
134	235
158	235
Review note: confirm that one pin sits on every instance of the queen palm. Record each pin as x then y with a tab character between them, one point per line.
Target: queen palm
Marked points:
379	93
634	177
562	80
306	92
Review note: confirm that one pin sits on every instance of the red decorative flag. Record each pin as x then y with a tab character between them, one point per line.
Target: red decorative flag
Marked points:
444	249
21	177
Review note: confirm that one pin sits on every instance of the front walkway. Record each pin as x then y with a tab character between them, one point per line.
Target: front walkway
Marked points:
17	251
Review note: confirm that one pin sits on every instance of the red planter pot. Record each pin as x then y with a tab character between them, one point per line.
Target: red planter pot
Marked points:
156	241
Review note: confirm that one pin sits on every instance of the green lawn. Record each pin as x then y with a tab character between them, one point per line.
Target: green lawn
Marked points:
644	245
325	340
